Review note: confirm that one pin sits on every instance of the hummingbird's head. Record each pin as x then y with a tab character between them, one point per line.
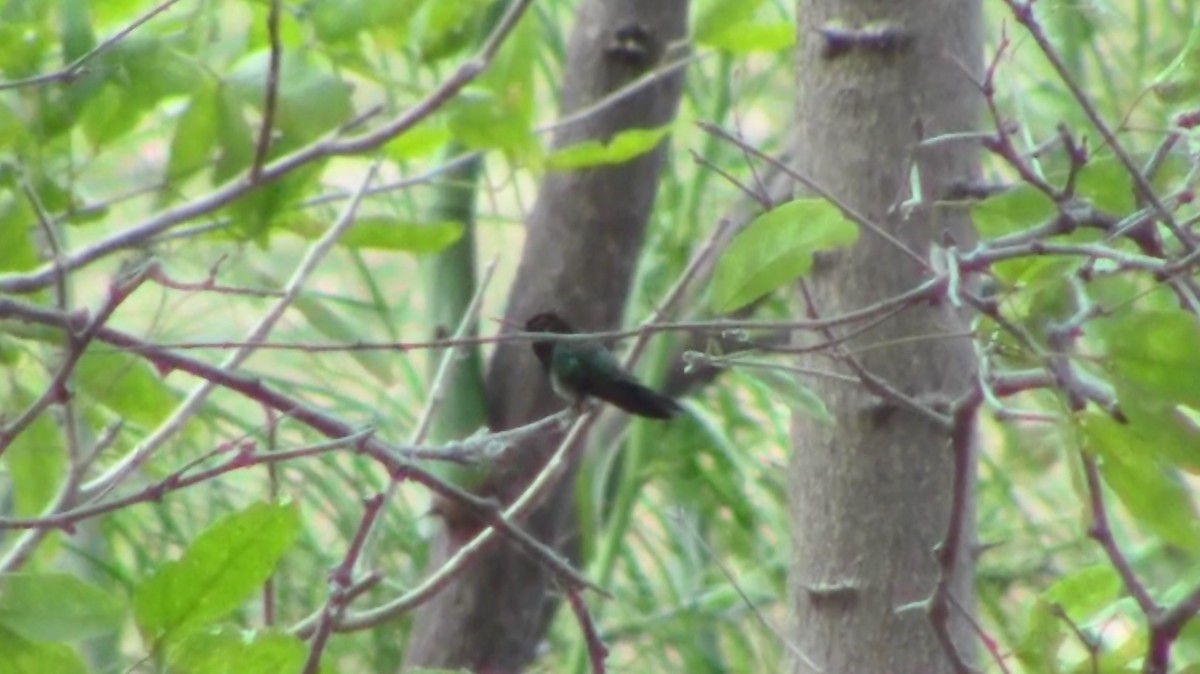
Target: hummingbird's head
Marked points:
548	322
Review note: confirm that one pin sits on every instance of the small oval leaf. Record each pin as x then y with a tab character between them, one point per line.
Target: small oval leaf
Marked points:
1157	351
21	656
1019	208
385	232
619	149
226	565
226	649
125	384
775	249
57	607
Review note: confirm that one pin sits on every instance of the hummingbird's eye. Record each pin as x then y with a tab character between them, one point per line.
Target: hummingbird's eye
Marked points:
546	322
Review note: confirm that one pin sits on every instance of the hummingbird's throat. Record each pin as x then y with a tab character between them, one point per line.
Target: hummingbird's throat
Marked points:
563	390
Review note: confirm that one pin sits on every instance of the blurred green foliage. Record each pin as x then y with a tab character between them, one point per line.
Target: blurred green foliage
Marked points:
671	513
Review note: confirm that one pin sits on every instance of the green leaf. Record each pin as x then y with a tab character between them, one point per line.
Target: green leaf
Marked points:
228	650
378	364
1158	498
264	208
116	11
1020	209
497	111
57	607
26	37
1106	184
1124	654
446	27
1086	591
21	656
708	476
52	188
337	21
1156	428
17	252
10	354
1156	350
1044	634
125	384
77	36
1179	82
390	21
792	392
480	120
1182	587
1154	495
235	140
714	17
420	141
619	149
775	249
382	232
13	131
1148	488
1012	211
225	566
151	68
195	138
294	32
36	459
510	75
747	38
107	116
310	99
129	80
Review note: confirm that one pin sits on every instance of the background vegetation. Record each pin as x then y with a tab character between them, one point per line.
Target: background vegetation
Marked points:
206	204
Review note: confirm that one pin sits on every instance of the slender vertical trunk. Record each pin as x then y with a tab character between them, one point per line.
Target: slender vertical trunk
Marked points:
871	493
584	238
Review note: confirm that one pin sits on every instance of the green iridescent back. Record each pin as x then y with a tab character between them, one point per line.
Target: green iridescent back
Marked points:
576	365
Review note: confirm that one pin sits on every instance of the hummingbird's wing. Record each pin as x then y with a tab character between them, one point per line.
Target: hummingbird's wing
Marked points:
630	395
592	370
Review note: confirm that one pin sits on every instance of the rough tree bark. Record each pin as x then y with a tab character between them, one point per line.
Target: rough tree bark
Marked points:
583	239
870	494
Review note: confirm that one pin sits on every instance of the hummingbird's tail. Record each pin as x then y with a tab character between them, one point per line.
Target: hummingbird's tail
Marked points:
634	398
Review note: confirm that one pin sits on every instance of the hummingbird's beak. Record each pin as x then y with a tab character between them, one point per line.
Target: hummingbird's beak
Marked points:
507	323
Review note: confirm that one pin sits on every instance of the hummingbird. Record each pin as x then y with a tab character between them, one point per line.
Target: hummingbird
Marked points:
581	369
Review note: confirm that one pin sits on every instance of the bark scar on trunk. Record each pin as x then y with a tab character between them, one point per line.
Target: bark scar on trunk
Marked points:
880	38
635	45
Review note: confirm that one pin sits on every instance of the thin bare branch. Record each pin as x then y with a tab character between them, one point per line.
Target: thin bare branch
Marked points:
270	93
321	149
195	399
72	70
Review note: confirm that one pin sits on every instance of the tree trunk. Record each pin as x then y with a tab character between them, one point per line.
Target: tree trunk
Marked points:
871	493
584	238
